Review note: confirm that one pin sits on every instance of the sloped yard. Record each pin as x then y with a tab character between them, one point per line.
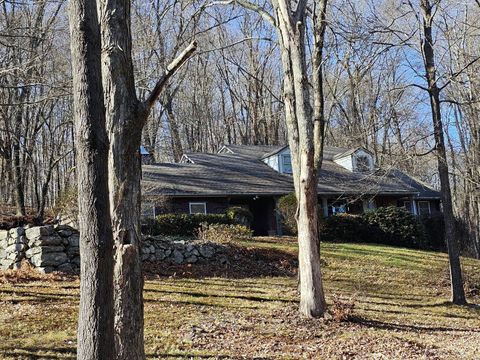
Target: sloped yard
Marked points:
233	311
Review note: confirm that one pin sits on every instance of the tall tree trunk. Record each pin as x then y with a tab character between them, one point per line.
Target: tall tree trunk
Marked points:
457	290
320	25
125	119
18	181
299	118
173	126
95	324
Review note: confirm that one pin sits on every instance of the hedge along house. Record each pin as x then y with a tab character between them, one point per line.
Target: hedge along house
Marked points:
255	177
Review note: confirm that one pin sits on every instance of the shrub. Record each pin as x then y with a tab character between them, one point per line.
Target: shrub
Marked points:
342	228
385	225
434	228
342	310
393	226
66	206
287	206
240	215
224	233
181	224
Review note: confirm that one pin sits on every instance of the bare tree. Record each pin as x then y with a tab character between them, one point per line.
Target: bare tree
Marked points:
95	324
305	127
35	104
428	13
126	116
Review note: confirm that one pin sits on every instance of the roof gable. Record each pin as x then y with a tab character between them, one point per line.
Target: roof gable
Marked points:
351	152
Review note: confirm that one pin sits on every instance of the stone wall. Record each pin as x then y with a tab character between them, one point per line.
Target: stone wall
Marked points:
56	248
174	251
47	248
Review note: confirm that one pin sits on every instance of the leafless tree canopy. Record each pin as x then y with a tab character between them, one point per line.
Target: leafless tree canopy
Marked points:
231	91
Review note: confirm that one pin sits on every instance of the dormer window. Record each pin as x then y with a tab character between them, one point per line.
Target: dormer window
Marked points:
359	160
286	164
362	163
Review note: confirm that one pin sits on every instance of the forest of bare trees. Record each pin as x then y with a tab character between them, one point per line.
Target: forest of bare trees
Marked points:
374	83
84	84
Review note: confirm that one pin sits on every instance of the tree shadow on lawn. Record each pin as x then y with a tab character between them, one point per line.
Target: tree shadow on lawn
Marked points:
30	352
238	263
377	324
223	295
423	314
190	356
19	296
224	284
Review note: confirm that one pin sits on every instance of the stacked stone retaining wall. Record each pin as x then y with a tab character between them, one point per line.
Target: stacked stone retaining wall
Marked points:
56	248
179	252
47	248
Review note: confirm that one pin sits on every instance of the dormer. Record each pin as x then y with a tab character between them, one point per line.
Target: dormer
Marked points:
280	160
356	160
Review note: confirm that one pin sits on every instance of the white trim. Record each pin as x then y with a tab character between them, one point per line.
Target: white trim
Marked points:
197	203
282	168
186	160
429	208
225	150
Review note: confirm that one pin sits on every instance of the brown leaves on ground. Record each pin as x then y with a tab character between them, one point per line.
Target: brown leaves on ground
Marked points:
342	309
282	334
26	273
384	303
9	219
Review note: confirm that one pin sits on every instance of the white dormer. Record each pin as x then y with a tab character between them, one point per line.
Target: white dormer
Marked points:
357	160
280	160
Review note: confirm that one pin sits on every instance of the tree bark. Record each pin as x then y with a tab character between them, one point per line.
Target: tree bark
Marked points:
125	117
95	324
173	126
457	290
18	181
320	25
299	118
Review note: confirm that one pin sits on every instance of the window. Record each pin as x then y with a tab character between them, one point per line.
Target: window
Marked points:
363	163
408	205
286	164
424	208
198	208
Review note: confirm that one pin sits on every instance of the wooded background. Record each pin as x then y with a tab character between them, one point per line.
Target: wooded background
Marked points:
230	92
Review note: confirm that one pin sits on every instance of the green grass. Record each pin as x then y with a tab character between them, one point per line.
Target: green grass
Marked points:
401	311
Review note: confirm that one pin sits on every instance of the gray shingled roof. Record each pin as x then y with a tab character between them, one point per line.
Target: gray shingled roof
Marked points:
215	175
243	173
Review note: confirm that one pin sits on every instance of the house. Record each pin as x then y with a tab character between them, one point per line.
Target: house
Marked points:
257	176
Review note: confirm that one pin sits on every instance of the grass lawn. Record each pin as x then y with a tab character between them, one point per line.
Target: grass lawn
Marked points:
400	296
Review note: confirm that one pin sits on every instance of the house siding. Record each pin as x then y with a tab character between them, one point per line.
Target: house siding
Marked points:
275	161
345	162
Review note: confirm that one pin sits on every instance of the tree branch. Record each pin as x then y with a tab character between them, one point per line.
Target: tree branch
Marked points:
459	72
169	72
249	6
